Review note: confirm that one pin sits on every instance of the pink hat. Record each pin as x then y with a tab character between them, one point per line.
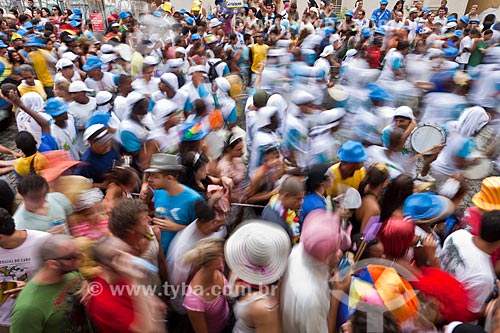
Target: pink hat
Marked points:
321	234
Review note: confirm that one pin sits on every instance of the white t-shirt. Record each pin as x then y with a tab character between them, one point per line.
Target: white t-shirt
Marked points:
446	165
376	154
464	56
469	265
107	83
20	264
393	25
442	20
82	112
146	88
178	271
484	91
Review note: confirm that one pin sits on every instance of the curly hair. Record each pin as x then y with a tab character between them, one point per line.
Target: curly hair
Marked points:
7	225
124	215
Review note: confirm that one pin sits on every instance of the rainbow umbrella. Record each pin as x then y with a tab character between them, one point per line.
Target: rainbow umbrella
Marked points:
380	285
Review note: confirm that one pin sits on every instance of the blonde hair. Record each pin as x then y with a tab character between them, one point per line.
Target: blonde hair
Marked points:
204	251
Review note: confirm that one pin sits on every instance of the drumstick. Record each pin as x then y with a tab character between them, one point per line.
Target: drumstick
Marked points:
414	158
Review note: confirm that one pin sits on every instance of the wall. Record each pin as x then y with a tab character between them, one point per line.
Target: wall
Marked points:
483	4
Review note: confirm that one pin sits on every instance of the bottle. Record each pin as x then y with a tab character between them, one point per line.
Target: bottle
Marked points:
449	224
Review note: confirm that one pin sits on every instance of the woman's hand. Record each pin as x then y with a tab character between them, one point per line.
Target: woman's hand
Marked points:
227	182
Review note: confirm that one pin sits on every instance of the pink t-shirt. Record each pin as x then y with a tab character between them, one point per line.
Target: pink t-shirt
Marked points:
216	311
95	232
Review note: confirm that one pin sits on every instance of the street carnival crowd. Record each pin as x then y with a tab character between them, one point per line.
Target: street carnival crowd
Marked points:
250	169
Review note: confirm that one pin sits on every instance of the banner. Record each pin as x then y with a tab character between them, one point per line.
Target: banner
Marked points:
97	22
234	3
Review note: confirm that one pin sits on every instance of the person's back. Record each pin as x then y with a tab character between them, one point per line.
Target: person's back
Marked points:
38	214
41	66
20	256
467	257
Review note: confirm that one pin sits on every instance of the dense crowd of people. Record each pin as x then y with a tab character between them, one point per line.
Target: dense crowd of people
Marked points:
250	169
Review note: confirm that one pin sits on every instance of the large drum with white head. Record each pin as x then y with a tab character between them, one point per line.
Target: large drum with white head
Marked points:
424	137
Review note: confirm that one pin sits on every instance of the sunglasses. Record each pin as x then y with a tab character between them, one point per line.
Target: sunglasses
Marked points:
70	257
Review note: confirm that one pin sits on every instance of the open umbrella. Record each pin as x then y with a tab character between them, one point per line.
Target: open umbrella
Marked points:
380	285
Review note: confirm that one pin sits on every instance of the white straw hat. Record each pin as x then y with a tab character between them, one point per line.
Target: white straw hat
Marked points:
257	252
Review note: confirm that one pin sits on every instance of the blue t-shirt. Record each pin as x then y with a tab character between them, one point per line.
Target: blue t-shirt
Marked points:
312	201
96	165
47	143
179	208
381	17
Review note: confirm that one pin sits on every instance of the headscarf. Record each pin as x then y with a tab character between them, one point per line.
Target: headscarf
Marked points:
33	101
472	121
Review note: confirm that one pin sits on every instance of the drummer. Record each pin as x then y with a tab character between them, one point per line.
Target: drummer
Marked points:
455	157
404	120
296	134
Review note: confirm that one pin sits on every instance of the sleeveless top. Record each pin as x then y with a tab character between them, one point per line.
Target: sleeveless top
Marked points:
240	312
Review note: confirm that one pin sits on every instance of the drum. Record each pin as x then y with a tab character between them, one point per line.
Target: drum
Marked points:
481	170
424	137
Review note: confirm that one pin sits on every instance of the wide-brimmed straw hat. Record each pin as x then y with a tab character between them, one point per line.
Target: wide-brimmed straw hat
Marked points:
257	252
489	197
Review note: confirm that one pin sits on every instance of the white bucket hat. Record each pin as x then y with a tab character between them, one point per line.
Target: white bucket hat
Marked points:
257	252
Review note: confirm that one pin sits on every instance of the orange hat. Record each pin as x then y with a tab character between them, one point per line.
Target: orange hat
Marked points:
489	197
59	162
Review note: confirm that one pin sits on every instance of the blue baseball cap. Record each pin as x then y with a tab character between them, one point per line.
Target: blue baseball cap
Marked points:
465	19
426	10
475	20
183	11
329	31
124	15
377	93
39	27
349	13
28	25
366	32
384	2
92	62
380	31
210	16
34	41
3	45
22	32
451	19
195	37
352	152
157	13
55	107
458	33
78	12
189	20
427	207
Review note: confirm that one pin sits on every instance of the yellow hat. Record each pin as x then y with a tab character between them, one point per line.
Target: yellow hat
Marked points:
196	6
489	197
167	7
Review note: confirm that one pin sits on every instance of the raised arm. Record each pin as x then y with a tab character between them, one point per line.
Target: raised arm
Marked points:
14	99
